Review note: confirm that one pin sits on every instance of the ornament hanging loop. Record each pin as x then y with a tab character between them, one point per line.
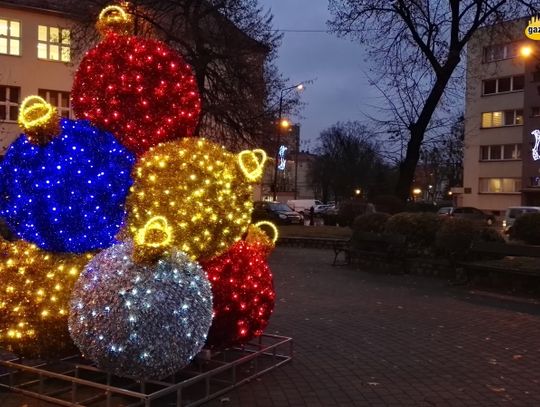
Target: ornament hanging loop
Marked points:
152	240
38	119
114	19
269	226
251	163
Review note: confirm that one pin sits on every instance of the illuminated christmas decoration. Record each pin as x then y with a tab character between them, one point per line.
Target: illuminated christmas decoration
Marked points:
282	159
39	120
114	19
243	295
139	89
252	163
140	321
67	195
535	153
152	240
200	188
34	298
257	237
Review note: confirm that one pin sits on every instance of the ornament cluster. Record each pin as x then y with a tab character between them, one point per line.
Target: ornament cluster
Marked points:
134	236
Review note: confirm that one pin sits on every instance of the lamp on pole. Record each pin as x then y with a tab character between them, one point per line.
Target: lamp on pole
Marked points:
281	124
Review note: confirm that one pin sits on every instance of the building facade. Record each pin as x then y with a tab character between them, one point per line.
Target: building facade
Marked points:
34	60
502	110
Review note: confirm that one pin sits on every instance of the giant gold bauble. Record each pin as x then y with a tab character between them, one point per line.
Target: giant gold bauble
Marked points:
34	297
200	189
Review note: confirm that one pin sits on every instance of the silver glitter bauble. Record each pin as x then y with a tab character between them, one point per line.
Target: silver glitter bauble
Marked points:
140	320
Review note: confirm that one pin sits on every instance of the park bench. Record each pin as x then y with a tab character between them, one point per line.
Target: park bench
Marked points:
388	246
504	258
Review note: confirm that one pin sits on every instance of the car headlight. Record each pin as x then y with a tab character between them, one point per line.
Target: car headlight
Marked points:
504	223
281	216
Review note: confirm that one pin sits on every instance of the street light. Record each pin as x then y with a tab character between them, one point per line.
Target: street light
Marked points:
282	124
526	51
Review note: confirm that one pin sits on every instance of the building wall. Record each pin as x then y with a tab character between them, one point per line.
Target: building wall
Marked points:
27	71
479	70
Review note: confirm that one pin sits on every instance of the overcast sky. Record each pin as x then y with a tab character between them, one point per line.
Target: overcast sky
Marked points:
341	91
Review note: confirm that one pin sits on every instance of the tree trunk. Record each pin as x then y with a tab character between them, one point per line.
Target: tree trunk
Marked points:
418	129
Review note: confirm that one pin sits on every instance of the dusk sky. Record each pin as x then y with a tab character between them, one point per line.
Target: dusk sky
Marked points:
340	92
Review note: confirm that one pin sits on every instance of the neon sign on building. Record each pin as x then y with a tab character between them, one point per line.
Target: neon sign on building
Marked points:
282	158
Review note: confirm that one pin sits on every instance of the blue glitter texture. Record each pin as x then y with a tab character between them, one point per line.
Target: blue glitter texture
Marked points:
68	195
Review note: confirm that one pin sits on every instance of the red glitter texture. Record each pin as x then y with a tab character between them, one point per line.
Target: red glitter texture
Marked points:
243	292
139	89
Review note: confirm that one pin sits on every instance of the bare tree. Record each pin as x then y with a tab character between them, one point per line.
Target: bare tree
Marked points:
416	47
348	158
232	48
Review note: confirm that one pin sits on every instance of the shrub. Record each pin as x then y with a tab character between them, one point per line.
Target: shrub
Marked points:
420	229
348	210
454	238
527	228
388	204
490	235
370	222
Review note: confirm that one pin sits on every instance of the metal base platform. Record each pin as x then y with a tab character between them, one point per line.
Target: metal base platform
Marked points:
74	381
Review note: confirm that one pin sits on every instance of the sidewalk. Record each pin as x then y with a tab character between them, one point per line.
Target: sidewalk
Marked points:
365	339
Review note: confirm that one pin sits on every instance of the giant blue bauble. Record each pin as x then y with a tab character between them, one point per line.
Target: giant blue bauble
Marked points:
69	194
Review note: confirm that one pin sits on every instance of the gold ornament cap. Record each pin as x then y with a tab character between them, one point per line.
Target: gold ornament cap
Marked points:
152	240
114	19
39	120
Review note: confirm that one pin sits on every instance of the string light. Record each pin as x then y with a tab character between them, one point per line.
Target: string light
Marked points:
199	188
67	195
152	239
114	19
140	320
38	119
243	294
139	89
252	163
257	236
34	298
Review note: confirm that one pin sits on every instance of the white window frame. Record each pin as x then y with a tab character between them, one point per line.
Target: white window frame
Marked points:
8	104
503	118
49	43
497	85
10	37
482	182
508	51
46	94
515	149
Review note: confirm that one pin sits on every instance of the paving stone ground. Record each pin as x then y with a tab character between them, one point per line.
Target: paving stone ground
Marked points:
367	339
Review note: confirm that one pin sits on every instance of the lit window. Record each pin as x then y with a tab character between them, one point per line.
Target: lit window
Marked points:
59	99
10	37
504	118
499	185
9	103
54	43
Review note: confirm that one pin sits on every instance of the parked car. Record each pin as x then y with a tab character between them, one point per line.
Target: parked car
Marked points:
303	205
473	214
445	211
275	212
515	212
321	208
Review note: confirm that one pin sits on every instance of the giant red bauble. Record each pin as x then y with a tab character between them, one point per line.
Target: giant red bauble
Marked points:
243	295
139	89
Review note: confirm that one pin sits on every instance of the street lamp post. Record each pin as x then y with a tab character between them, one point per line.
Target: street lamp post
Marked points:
281	124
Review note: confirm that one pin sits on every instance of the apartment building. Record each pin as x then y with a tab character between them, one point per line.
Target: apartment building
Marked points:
35	59
502	111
